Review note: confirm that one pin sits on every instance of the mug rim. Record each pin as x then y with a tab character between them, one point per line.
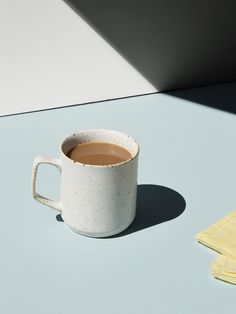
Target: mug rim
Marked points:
100	166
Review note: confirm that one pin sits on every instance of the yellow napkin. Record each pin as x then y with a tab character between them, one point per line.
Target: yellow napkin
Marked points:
222	237
225	269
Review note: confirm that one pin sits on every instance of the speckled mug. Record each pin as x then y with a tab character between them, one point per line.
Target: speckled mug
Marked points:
96	200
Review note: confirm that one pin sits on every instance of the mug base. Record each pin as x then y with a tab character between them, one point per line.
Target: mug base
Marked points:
99	234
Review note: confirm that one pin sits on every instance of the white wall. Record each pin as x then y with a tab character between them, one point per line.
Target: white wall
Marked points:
49	57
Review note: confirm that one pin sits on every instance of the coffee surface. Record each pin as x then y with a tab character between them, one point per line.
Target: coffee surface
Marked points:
99	153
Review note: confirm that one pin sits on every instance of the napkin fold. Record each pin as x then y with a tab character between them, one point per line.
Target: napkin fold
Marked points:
221	237
224	268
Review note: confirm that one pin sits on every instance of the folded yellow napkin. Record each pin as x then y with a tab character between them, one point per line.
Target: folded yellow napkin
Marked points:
222	237
225	269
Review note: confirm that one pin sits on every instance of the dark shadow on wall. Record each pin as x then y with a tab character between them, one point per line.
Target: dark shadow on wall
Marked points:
220	96
173	44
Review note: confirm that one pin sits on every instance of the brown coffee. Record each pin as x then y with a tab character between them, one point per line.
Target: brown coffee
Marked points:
99	153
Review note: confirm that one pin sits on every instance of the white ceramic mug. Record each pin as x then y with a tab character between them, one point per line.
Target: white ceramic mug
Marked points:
96	200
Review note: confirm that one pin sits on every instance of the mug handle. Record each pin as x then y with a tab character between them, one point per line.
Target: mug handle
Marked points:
44	160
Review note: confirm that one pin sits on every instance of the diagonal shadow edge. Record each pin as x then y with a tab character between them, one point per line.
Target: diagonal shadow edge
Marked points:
138	32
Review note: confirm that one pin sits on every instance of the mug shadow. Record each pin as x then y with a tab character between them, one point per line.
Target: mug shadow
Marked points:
155	204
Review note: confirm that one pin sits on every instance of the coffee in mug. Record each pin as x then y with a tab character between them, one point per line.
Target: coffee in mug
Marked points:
99	153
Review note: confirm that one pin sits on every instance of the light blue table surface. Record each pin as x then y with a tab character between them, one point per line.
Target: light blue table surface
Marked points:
46	268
